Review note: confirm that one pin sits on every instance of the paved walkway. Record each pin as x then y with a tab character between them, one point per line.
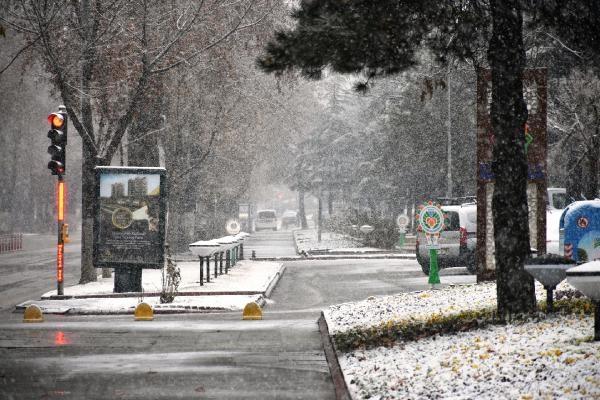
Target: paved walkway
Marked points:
270	244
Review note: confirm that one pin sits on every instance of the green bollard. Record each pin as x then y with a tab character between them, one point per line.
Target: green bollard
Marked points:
434	275
402	239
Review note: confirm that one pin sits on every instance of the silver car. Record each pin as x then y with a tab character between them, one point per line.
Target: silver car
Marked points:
265	219
457	242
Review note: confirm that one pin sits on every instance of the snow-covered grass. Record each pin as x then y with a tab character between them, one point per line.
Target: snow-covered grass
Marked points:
551	357
306	240
417	306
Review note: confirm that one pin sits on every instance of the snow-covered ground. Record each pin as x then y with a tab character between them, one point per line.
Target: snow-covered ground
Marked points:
306	240
550	358
249	276
247	281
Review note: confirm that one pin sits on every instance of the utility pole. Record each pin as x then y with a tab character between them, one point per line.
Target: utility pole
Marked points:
449	127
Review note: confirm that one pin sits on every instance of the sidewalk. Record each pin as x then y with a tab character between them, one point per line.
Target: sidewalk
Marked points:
247	281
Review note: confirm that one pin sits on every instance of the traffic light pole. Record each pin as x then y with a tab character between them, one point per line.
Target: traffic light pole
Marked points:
60	248
57	165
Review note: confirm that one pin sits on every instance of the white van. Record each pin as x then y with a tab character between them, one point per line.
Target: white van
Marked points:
458	241
557	198
265	219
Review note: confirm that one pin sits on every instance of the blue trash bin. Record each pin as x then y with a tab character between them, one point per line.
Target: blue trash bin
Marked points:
580	231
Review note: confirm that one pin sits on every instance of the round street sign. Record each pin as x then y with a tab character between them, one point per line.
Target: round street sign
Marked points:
402	220
431	219
233	227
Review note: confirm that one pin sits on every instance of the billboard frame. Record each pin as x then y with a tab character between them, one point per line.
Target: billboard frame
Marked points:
162	216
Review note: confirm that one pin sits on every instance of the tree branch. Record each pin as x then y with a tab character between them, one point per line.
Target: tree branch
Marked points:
213	44
19	53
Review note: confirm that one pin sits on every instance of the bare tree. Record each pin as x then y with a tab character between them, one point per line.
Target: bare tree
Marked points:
102	55
575	115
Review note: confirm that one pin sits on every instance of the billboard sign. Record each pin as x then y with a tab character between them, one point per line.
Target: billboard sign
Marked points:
129	217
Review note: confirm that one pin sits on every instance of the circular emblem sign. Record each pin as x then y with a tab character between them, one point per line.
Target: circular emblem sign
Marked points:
122	218
402	221
582	222
233	227
430	219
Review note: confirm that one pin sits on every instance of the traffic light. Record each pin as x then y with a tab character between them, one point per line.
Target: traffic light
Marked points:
58	141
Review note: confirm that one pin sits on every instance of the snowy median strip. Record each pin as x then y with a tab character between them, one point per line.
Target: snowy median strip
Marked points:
549	357
247	281
337	246
306	241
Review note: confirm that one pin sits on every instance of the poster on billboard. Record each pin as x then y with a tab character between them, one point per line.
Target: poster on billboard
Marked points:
129	217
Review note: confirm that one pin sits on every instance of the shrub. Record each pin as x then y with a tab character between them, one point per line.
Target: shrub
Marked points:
383	236
389	332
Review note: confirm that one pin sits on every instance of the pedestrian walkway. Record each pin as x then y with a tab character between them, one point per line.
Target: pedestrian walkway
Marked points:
270	244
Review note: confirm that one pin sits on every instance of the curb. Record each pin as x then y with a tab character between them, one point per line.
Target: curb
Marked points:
261	300
274	282
339	383
150	294
293	258
364	257
157	310
342	257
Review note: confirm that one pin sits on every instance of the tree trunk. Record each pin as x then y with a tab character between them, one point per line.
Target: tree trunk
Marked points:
574	184
330	203
319	217
506	55
88	188
301	209
142	149
593	167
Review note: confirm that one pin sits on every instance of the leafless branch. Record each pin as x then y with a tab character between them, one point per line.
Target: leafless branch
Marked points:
576	53
21	51
236	28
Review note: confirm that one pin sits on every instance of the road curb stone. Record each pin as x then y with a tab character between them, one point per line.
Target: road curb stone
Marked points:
339	382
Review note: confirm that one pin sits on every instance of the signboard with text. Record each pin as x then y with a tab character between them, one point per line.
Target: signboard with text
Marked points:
129	217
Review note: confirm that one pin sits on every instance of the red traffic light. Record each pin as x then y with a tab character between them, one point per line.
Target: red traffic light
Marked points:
56	167
56	120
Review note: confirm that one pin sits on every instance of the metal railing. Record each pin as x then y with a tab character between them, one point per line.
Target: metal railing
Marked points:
229	248
11	242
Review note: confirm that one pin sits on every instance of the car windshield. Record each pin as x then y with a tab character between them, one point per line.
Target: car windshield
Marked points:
451	221
559	200
266	214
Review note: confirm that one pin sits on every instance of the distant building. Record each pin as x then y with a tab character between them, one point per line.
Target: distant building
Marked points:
137	187
117	190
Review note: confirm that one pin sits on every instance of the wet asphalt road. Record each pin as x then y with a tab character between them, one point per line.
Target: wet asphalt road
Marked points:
28	273
197	356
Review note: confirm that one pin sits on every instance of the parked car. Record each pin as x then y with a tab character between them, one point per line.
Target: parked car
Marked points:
289	218
458	241
265	219
557	198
